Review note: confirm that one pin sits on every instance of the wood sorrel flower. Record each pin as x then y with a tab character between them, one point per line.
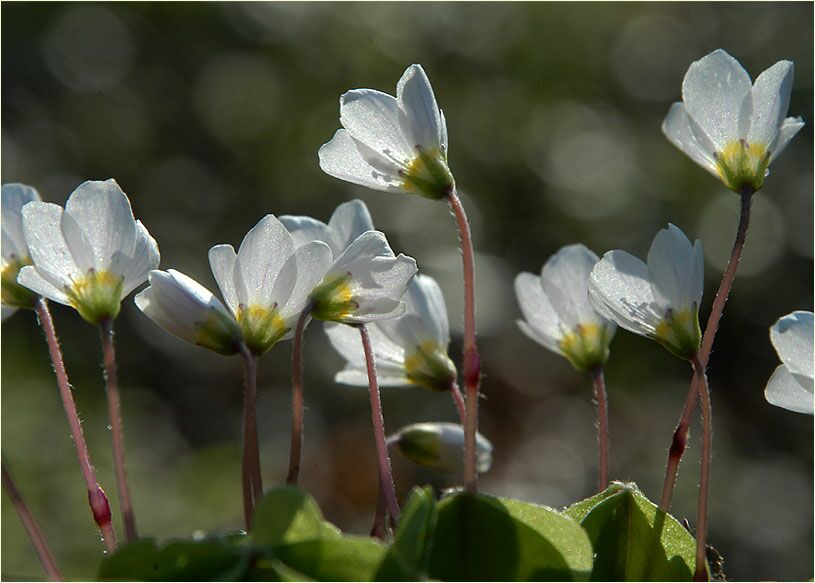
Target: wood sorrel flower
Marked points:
557	312
267	283
394	144
659	300
790	386
14	248
89	255
410	350
440	446
185	308
730	126
366	281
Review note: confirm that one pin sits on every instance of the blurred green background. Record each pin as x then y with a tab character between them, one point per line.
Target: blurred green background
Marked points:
210	116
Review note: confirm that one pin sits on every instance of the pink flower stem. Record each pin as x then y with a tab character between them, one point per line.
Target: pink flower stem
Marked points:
472	361
680	435
704	481
96	495
385	472
379	528
602	427
30	525
458	399
117	431
251	447
297	401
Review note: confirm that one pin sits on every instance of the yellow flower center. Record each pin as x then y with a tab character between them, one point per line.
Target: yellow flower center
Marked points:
333	300
97	295
428	175
743	166
13	294
262	327
430	367
586	346
679	332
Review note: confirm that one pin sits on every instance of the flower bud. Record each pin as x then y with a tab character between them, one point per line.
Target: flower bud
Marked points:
440	446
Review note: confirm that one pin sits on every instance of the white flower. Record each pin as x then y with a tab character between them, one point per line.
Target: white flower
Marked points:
14	248
730	126
440	446
366	281
267	283
349	221
408	350
185	308
394	144
659	300
89	255
557	311
790	386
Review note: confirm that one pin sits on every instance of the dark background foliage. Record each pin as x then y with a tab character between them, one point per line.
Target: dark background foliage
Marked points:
210	116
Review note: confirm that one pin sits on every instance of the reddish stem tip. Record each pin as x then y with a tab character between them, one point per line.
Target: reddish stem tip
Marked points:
679	443
100	507
472	368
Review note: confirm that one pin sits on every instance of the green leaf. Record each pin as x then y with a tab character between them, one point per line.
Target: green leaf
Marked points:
635	541
336	559
579	510
205	560
287	515
408	557
481	538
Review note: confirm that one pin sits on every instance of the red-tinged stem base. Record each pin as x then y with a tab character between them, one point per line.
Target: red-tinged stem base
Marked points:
602	428
252	481
297	400
96	496
472	360
704	481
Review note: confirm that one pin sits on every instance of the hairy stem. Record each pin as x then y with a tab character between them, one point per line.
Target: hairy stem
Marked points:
97	499
602	427
251	453
295	452
116	429
704	481
680	435
30	525
385	472
379	528
472	361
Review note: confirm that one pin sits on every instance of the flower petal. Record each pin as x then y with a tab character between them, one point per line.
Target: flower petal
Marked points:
145	258
14	197
307	267
542	323
792	337
789	391
103	213
348	222
372	117
421	116
343	158
305	230
675	270
714	91
347	342
222	263
358	377
263	252
29	277
424	298
620	291
378	279
565	282
790	127
678	129
771	99
49	251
